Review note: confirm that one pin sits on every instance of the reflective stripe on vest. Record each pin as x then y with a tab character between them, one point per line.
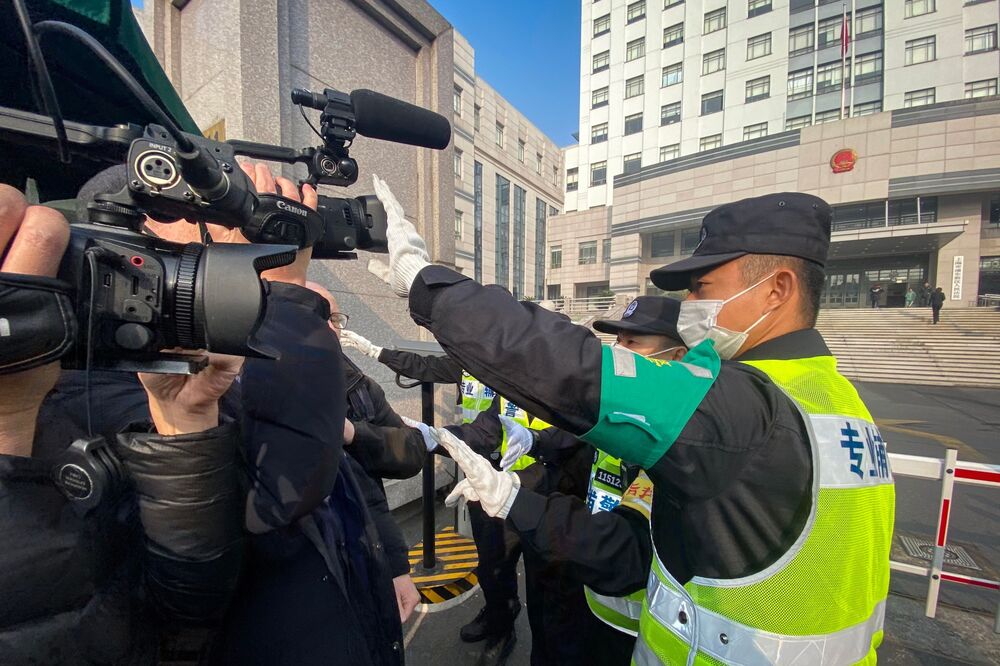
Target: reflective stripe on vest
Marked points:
621	613
821	602
508	408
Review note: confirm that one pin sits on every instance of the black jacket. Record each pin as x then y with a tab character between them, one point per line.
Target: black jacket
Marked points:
733	491
436	369
937	299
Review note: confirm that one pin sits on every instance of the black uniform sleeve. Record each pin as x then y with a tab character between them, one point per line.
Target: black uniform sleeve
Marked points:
430	368
538	359
555	446
385	446
609	551
293	410
191	509
483	435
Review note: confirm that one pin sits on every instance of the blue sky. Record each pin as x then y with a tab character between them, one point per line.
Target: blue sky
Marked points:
529	51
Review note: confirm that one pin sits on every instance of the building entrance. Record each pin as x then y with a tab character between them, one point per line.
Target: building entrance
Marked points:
848	281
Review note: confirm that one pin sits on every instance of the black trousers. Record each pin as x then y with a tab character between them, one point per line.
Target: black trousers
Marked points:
937	314
499	549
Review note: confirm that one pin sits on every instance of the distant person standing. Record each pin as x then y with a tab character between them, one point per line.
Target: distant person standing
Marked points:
937	302
911	297
873	295
925	294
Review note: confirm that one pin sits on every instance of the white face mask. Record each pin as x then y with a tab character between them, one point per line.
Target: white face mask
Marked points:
698	321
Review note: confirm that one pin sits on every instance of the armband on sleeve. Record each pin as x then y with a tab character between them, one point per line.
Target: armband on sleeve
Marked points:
37	323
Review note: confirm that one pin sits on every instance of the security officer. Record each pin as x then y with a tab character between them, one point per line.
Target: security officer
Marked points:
773	507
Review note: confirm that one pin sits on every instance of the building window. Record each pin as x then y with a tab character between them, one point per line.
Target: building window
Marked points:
540	208
599	98
800	84
801	40
555	256
667	4
920	50
476	111
606	251
798	122
981	39
829	31
713	62
754	131
670	114
913	8
661	244
588	253
868	67
758	7
867	22
715	20
599	133
758	89
827	116
518	250
555	175
689	240
602	25
636	11
499	136
670	152
572	179
635	49
921	97
632	163
553	292
828	77
984	88
602	61
477	221
711	102
710	142
673	35
502	232
458	164
538	163
633	87
456	102
633	123
759	46
459	224
520	151
868	108
672	75
598	173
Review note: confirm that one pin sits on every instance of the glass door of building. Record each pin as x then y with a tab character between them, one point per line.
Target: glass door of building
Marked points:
842	290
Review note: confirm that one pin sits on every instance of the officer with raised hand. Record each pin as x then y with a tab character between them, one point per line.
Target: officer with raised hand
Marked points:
773	500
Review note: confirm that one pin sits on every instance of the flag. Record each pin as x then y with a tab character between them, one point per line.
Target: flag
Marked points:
845	35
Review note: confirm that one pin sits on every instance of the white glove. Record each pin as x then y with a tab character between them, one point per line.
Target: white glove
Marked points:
519	442
407	250
362	344
494	490
425	430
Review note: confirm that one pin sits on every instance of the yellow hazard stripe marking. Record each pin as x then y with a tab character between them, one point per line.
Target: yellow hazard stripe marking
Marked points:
463	557
452	549
436	577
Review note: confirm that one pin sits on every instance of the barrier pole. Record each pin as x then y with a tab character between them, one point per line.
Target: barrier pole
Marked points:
427	415
941	540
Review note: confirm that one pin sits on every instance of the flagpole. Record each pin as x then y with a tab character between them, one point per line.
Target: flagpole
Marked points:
843	58
854	53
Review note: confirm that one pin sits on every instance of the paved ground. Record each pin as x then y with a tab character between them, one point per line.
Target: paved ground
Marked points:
915	420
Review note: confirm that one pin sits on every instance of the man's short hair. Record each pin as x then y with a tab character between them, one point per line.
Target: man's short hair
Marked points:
810	275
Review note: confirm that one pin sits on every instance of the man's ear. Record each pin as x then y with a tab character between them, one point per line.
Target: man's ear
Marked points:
784	287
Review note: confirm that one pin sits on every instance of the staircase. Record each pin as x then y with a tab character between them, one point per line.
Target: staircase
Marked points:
901	346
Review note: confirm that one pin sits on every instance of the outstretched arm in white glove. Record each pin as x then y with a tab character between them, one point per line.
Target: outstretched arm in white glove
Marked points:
494	490
362	344
424	429
520	441
407	250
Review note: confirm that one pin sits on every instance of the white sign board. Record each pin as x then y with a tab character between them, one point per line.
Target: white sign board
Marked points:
956	278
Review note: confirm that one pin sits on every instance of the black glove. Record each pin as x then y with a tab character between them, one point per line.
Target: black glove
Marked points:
37	324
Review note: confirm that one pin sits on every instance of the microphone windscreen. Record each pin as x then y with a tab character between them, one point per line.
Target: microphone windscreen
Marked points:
382	117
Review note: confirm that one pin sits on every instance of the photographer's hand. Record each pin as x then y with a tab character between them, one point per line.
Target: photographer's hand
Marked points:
182	404
35	237
407	250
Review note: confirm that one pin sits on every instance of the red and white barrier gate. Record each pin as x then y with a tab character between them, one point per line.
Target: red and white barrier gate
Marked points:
949	471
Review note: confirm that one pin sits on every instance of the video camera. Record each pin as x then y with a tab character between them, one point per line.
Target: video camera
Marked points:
136	294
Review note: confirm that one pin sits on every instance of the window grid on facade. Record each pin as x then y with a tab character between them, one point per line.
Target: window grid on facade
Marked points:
711	102
636	11
598	173
540	208
633	123
459	224
634	87
829	31
714	20
759	46
867	22
714	61
827	116
587	253
978	40
599	98
555	256
602	61
920	50
572	179
499	136
920	97
828	76
673	35
635	49
502	252
672	75
661	244
670	152
599	133
670	113
868	67
758	7
689	240
983	88
913	8
476	112
538	163
800	84
458	164
632	163
517	288
602	25
867	109
755	131
798	122
520	150
606	251
710	142
477	221
456	105
667	4
758	89
801	40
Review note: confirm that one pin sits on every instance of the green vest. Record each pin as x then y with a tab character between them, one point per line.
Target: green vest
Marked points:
823	601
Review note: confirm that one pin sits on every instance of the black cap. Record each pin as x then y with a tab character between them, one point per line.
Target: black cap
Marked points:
646	315
788	223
